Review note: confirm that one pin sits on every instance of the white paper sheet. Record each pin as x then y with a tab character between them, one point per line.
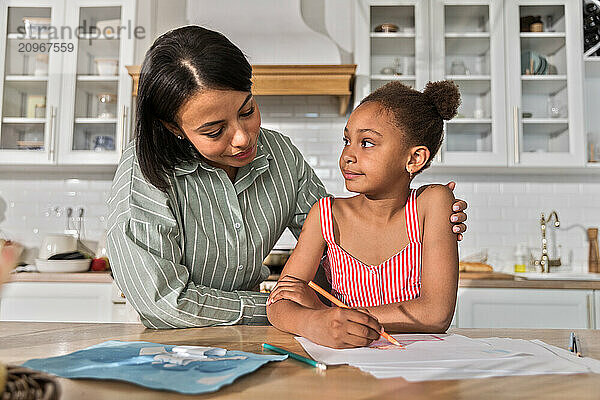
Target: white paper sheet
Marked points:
452	347
458	357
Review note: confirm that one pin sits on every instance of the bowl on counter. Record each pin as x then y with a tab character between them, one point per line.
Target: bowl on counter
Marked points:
63	265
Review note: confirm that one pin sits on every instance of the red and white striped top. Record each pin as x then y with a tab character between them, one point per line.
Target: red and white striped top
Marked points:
360	285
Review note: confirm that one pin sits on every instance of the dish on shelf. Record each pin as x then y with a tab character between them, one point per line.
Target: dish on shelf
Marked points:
36	27
533	63
63	265
30	145
107	66
108	26
386	28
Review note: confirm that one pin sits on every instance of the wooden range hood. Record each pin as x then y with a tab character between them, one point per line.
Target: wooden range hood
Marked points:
289	80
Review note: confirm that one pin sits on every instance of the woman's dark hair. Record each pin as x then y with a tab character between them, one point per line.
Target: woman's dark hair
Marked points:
420	115
179	64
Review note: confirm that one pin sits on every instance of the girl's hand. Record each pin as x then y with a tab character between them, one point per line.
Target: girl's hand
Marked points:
458	217
296	290
343	328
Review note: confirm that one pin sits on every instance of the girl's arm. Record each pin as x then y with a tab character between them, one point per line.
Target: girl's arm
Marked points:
433	310
294	307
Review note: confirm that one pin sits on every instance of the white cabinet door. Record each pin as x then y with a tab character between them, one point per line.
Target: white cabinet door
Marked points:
545	83
56	301
525	308
30	73
468	47
401	54
94	121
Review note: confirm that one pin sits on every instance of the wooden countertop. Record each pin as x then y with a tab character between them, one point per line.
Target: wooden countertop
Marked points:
87	277
20	341
520	283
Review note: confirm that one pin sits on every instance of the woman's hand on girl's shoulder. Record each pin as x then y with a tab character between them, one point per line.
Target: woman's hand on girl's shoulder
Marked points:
457	208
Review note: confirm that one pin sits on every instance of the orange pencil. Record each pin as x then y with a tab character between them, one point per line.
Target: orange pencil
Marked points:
338	303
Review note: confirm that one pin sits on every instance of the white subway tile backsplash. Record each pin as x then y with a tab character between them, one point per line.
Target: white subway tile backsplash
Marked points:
503	209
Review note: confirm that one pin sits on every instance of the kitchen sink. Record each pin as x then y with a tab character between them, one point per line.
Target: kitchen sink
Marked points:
568	276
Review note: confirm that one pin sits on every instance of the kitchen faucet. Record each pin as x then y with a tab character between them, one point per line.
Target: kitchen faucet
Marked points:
545	262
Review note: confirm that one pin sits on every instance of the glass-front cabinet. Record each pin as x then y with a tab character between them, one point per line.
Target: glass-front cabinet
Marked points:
545	82
518	65
392	44
66	91
468	48
29	81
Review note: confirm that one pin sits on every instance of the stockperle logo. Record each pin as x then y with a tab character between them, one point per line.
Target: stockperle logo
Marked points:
83	31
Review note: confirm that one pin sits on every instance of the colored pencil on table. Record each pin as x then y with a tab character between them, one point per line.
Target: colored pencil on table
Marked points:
294	356
338	303
572	342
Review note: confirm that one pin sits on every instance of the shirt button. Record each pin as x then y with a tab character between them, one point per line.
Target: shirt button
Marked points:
240	267
237	225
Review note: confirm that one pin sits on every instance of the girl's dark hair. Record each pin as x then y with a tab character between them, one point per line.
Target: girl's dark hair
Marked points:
179	64
420	115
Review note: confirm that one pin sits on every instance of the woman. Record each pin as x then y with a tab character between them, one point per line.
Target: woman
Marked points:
203	194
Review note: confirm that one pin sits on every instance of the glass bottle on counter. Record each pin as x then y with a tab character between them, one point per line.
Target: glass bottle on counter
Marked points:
521	258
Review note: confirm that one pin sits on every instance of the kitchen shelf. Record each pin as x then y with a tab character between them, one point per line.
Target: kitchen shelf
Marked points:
26	78
29	86
21	36
97	78
543	84
546	43
467	46
466	35
470	121
381	77
89	36
473	84
23	120
95	120
549	121
392	35
400	46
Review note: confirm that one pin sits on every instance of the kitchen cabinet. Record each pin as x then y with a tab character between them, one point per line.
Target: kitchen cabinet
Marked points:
525	308
64	85
509	116
64	302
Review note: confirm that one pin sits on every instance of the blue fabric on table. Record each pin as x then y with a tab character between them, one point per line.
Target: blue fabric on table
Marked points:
136	362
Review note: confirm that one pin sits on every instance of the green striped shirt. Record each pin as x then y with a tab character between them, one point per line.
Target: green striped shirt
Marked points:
191	256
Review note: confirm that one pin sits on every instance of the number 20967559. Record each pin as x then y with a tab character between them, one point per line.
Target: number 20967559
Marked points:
55	47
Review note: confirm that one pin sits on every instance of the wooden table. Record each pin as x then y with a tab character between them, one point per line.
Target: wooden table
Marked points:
289	379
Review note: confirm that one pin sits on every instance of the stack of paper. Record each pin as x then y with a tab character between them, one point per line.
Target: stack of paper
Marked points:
437	357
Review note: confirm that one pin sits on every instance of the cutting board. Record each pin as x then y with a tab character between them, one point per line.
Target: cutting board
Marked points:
486	275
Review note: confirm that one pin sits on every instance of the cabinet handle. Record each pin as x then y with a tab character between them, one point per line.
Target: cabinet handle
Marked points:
516	134
590	312
51	134
123	125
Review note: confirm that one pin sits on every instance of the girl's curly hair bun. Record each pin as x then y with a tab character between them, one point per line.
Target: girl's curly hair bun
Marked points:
445	96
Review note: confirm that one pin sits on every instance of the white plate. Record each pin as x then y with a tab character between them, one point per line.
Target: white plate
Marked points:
63	265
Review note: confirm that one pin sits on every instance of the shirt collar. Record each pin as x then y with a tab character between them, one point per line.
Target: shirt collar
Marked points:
260	162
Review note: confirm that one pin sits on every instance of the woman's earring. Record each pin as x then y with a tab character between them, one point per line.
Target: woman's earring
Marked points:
179	137
410	173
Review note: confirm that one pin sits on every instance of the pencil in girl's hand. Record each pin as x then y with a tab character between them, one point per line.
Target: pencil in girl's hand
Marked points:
338	303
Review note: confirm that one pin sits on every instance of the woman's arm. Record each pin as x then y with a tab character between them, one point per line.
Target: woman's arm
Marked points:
433	310
145	247
294	307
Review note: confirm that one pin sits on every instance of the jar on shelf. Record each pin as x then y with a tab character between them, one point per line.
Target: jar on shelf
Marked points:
107	105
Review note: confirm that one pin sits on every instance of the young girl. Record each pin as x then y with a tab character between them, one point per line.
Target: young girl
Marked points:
392	255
